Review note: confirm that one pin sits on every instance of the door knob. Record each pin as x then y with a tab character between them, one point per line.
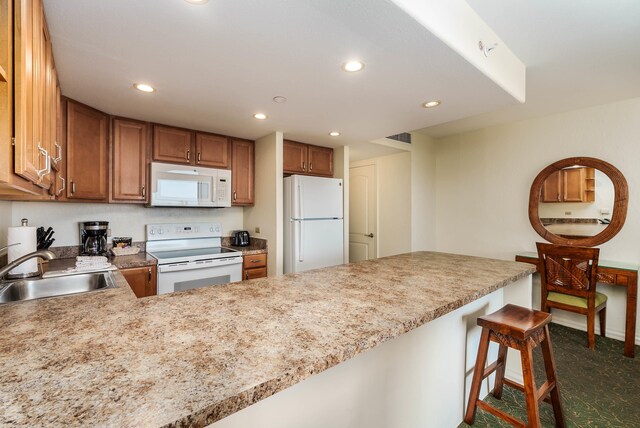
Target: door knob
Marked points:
370	235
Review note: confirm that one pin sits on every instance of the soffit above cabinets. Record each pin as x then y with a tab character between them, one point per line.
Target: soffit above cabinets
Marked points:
215	65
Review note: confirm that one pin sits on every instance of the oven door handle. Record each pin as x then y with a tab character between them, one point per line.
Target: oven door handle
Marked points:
199	264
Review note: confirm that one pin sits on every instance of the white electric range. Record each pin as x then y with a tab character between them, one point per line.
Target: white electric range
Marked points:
190	255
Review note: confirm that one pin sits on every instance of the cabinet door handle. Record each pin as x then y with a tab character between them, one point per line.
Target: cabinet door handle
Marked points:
144	192
199	156
73	186
188	154
255	261
47	161
304	166
235	196
58	157
310	166
246	275
149	271
64	185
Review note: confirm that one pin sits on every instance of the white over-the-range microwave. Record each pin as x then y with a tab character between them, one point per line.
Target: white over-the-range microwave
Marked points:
189	186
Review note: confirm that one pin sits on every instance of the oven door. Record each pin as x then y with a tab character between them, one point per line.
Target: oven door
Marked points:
202	273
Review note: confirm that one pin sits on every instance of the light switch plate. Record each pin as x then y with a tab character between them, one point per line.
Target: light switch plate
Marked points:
257	229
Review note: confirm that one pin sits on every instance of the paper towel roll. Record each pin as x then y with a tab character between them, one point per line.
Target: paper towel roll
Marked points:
26	236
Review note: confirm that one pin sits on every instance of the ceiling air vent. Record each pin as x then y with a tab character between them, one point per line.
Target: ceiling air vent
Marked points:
405	137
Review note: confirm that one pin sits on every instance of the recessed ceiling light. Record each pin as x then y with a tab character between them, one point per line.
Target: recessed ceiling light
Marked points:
352	66
197	1
260	116
431	104
279	99
144	87
334	134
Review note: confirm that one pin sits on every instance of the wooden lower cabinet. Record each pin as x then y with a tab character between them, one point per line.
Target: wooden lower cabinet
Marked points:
242	172
129	162
87	153
254	266
142	280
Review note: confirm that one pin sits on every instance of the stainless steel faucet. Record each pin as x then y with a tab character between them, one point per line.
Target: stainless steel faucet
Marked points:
43	254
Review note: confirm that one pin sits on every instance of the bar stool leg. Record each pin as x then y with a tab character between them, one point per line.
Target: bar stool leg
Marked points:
552	376
502	362
476	382
530	390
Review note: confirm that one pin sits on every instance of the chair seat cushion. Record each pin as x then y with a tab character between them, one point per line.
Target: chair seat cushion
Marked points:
576	301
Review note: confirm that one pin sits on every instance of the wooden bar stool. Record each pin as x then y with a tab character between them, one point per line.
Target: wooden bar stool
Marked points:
522	329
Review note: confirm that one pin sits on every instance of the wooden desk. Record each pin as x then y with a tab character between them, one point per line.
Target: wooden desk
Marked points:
616	273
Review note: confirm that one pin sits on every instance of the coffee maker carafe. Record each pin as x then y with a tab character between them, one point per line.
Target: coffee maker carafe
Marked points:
93	235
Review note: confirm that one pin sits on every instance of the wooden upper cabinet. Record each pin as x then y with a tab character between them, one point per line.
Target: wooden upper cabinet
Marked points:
87	153
242	172
294	157
552	188
570	185
130	159
29	153
172	144
320	161
212	151
300	158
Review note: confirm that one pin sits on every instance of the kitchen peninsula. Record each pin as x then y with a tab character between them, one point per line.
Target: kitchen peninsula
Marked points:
196	357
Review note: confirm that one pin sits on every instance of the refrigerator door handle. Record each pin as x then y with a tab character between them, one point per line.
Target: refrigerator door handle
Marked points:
300	242
300	203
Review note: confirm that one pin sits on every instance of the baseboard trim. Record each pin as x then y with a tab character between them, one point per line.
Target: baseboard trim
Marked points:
611	333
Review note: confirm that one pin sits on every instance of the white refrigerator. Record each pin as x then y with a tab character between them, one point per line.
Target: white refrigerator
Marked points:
313	231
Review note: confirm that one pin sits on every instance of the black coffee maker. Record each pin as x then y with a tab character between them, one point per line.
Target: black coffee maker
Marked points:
93	236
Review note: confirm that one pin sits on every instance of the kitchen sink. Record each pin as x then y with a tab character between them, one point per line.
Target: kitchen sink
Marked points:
30	289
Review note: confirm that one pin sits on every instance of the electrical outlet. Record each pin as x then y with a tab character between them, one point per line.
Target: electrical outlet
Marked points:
257	229
567	213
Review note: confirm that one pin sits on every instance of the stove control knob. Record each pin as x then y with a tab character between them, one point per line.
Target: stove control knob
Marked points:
152	232
159	231
211	229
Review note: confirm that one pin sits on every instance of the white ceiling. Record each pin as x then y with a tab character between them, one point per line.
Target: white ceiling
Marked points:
217	64
578	53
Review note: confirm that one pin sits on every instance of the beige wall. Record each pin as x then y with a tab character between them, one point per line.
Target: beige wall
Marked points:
423	193
341	170
267	213
484	177
124	219
5	221
394	204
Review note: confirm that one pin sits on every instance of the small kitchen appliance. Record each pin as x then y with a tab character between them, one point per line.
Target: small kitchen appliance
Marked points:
241	238
190	255
93	237
313	223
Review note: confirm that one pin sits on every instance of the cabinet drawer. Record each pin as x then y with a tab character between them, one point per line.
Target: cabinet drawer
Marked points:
255	273
254	261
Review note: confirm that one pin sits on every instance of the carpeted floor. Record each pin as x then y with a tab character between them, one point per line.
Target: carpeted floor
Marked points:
598	388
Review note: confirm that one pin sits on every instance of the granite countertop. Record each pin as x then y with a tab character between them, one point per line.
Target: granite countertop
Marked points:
256	246
192	358
141	259
576	229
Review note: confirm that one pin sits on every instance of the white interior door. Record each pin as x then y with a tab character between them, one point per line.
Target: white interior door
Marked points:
363	213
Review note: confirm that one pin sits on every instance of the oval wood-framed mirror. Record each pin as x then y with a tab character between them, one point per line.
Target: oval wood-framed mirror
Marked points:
619	203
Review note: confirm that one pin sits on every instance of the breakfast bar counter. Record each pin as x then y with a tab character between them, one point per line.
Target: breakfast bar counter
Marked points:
192	358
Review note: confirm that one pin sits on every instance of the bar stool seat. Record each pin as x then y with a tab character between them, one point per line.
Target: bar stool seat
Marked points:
522	329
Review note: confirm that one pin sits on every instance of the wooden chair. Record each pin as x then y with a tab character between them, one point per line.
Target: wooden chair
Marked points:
568	282
522	329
